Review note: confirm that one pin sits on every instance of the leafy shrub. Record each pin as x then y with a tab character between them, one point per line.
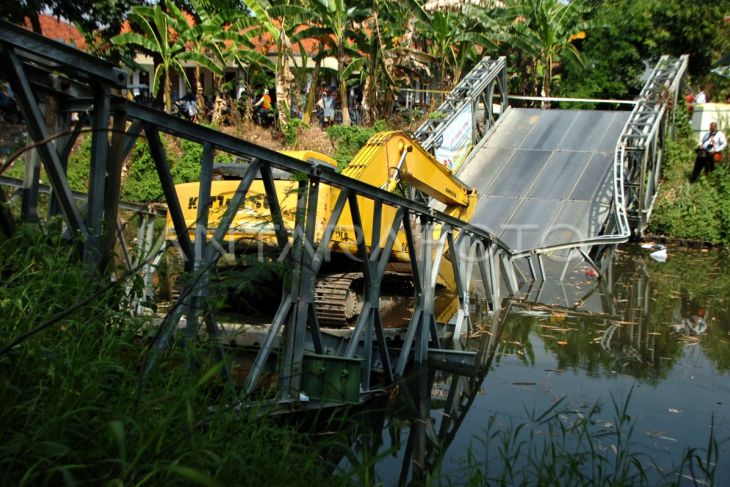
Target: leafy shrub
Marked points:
142	183
79	167
291	130
73	408
699	211
348	140
187	168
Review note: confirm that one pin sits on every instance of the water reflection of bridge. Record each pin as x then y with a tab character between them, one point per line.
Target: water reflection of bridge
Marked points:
611	326
583	172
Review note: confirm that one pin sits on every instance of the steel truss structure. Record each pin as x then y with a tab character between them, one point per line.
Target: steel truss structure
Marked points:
636	172
45	72
50	77
642	141
435	404
476	91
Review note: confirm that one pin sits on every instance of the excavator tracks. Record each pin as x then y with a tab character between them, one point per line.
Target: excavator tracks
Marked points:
336	302
338	297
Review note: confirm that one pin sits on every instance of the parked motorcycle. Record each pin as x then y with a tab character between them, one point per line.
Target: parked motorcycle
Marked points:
265	118
186	109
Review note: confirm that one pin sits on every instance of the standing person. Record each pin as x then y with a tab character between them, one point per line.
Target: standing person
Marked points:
328	107
709	152
262	108
714	142
701	98
689	101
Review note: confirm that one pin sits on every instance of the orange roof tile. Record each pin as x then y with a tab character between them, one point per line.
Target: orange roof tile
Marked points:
59	30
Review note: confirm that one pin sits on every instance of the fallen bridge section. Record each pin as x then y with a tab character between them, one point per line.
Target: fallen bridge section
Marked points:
545	177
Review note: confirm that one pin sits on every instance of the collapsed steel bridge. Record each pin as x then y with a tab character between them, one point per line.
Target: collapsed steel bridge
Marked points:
84	94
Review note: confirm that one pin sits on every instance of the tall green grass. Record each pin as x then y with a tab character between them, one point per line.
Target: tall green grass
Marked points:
567	446
73	412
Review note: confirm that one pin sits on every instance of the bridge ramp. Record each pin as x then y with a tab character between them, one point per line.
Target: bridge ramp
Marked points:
544	176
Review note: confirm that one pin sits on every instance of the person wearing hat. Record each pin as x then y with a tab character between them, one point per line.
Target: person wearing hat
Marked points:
263	106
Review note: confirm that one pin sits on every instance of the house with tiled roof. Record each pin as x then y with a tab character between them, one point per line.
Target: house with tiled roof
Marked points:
58	30
139	81
234	75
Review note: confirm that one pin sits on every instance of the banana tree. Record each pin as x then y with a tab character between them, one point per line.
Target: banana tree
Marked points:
392	52
317	56
335	19
160	36
235	47
283	18
200	41
222	39
325	47
545	30
312	94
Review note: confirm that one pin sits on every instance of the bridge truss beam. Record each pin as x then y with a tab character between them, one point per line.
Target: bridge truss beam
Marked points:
69	81
476	91
636	171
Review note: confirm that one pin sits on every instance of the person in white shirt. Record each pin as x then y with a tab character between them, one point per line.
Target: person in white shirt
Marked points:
709	152
328	107
701	98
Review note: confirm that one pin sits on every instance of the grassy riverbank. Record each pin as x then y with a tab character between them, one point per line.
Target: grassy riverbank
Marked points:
74	409
75	412
699	211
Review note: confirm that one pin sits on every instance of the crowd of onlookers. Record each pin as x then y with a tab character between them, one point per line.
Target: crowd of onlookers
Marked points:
327	109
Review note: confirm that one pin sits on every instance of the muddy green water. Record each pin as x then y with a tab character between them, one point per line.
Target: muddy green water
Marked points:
657	332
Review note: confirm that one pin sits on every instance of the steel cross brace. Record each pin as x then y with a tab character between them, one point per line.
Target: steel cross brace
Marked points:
98	174
490	276
168	187
64	145
295	332
373	269
123	140
31	181
212	253
198	303
40	134
422	323
297	306
462	266
288	299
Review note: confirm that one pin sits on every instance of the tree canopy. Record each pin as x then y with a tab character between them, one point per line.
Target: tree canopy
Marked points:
586	48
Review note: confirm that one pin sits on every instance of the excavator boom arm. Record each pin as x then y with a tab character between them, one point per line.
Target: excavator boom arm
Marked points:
405	160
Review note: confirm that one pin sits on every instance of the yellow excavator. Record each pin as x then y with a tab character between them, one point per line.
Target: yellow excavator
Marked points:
389	160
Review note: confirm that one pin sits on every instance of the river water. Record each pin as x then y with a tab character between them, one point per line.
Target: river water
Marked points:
653	338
